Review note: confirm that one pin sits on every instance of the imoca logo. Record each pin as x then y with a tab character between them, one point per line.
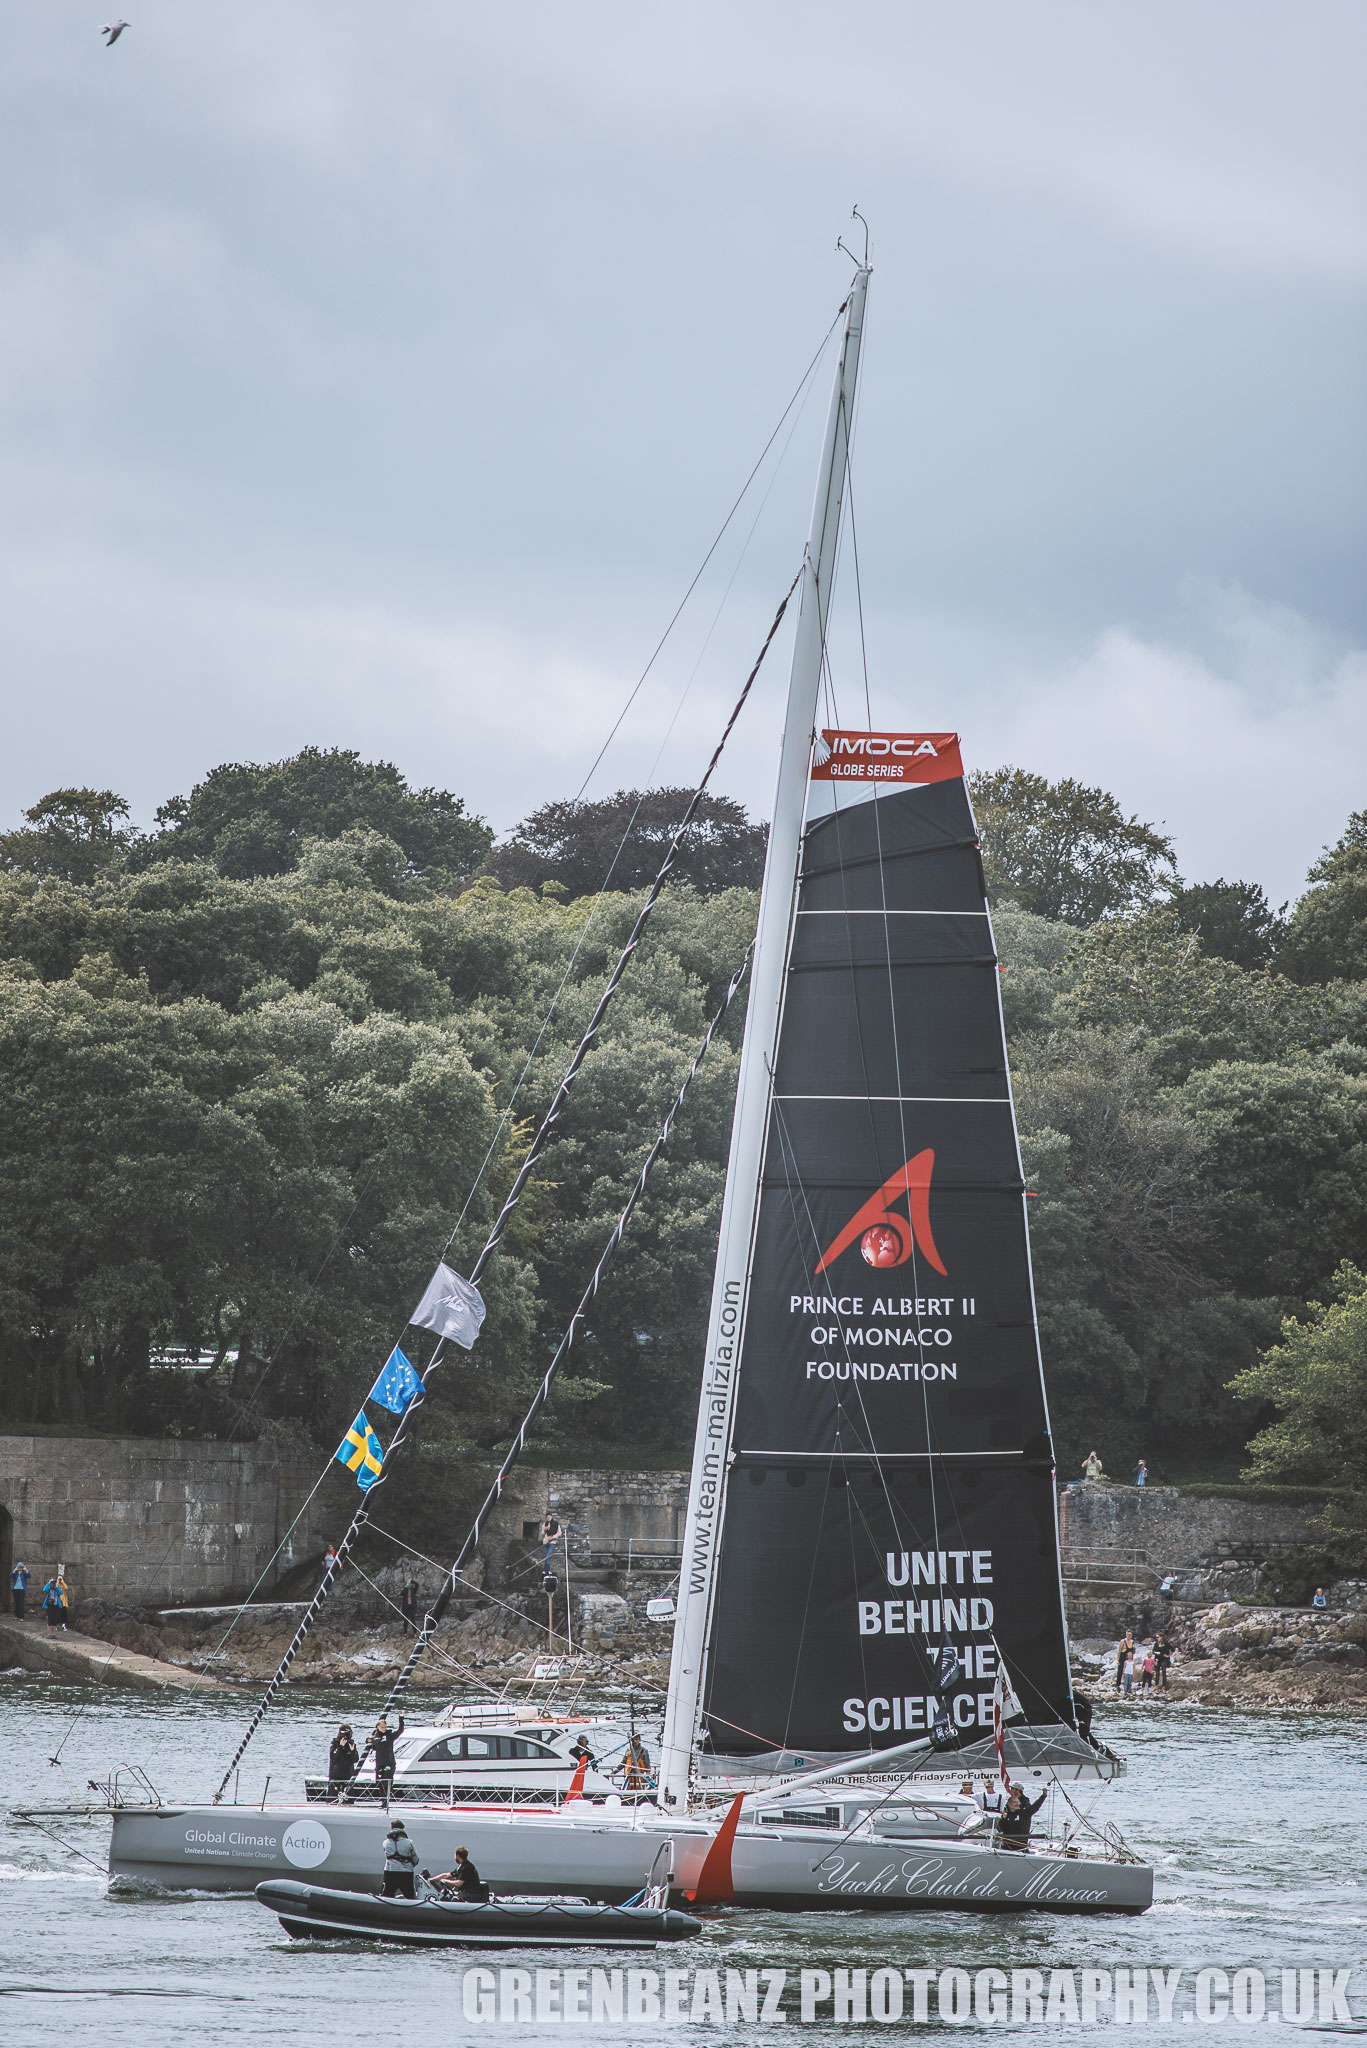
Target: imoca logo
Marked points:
885	1236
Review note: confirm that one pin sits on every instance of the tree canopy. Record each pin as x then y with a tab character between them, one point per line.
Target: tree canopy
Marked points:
244	1110
1327	933
1316	1380
70	834
252	820
1065	851
1233	920
619	842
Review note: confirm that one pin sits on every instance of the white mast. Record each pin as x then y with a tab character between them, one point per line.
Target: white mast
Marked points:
711	1447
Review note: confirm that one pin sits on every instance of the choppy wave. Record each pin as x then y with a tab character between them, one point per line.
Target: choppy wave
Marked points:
20	1873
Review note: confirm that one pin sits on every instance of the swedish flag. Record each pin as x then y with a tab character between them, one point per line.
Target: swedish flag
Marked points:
360	1452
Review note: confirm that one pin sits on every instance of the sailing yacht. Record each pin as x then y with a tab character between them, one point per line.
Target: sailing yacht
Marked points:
870	1610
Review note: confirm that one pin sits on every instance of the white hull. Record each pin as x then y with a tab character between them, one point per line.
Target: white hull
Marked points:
586	1852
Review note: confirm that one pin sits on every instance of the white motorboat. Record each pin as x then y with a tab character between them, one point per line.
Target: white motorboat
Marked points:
489	1752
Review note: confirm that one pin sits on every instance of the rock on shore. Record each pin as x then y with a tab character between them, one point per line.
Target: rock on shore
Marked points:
473	1650
1235	1656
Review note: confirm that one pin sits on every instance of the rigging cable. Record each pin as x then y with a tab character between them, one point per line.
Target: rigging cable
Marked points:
434	1616
636	687
514	1196
804	386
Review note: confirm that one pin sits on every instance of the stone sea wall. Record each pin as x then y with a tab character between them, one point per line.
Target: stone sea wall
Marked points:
153	1521
143	1523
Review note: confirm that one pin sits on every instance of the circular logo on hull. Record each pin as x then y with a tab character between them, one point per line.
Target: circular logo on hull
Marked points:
306	1844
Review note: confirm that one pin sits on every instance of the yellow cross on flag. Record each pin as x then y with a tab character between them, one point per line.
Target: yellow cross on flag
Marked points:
360	1452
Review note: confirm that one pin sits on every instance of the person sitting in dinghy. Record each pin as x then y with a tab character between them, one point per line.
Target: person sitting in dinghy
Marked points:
462	1881
1013	1822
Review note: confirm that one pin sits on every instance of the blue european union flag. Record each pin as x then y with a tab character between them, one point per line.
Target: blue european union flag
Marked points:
397	1384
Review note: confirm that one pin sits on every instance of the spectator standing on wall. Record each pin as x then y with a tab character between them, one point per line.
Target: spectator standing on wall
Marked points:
408	1601
1162	1659
1141	1474
18	1587
1092	1467
550	1536
54	1600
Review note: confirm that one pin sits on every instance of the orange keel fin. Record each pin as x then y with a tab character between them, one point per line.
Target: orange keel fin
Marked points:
714	1886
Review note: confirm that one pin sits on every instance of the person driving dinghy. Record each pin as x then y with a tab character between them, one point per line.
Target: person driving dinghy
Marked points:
461	1882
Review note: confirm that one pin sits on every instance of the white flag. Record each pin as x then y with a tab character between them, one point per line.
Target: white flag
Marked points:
451	1307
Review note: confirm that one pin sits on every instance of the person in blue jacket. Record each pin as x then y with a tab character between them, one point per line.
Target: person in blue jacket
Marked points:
18	1586
54	1601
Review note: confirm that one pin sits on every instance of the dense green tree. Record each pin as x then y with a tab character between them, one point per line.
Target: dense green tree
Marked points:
244	1109
1326	938
252	820
619	842
1035	964
71	835
180	1044
272	1188
1284	1145
1064	850
1233	920
1146	973
1316	1379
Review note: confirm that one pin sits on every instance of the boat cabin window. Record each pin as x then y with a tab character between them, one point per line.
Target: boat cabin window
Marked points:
486	1749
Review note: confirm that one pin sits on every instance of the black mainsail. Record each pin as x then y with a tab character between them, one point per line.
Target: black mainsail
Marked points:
890	1482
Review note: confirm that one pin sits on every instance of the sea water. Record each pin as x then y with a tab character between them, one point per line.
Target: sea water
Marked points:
1256	1825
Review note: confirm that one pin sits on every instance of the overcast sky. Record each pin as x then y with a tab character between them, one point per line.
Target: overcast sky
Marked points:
378	376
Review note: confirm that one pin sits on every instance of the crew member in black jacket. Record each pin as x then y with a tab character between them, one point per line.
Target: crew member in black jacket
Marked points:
344	1760
380	1745
1013	1823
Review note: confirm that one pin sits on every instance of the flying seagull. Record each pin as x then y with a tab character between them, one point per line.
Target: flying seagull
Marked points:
111	32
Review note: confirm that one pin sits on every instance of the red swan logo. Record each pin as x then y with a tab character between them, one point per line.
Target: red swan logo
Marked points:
885	1237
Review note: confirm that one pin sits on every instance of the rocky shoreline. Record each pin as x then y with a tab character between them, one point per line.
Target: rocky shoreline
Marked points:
1231	1655
1228	1655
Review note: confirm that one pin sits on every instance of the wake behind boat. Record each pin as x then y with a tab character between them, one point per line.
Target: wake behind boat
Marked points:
870	1558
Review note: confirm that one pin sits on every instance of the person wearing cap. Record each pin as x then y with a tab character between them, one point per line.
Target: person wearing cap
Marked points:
344	1760
400	1864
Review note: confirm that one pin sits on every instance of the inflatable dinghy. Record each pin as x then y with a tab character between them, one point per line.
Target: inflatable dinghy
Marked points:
310	1912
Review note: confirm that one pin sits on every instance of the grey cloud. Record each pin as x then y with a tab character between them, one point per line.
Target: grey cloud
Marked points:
384	385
